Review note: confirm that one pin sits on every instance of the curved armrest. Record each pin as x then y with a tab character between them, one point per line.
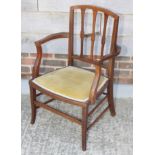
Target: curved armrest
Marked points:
100	60
93	90
109	56
52	37
36	67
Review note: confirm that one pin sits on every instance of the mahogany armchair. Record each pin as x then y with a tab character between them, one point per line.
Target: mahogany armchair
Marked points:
78	86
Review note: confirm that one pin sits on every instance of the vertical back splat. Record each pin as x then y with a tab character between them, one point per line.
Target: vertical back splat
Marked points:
71	30
93	34
104	34
114	35
82	30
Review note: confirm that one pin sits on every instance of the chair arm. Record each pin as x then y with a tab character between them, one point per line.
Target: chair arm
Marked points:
36	67
100	60
93	90
52	37
109	56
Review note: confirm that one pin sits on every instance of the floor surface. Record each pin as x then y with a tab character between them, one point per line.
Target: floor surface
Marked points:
54	135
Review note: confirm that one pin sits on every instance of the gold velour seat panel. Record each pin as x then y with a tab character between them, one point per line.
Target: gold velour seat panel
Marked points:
70	82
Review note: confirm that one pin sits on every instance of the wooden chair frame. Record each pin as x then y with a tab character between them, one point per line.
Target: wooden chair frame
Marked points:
98	63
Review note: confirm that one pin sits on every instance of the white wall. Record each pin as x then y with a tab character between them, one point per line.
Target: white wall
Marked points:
42	17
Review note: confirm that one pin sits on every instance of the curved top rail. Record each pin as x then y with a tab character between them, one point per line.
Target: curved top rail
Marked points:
95	8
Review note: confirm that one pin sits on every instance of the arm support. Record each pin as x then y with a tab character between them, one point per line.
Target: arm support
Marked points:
94	87
93	91
38	44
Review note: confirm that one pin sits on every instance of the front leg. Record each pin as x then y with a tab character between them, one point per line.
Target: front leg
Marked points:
84	127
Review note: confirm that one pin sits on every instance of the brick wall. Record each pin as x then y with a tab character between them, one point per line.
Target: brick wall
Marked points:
50	62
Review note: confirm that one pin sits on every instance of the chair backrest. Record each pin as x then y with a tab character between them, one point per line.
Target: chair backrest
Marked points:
95	10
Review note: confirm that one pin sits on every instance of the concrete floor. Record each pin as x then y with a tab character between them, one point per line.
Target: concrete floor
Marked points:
54	135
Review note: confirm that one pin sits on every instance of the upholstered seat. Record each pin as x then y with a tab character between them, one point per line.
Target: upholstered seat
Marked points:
70	82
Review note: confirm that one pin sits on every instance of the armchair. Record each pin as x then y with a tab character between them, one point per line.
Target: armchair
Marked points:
77	86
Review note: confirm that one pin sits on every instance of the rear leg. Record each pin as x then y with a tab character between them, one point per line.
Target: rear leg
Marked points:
111	99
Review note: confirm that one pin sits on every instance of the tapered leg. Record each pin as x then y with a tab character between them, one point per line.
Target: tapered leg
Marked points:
111	99
84	127
33	107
